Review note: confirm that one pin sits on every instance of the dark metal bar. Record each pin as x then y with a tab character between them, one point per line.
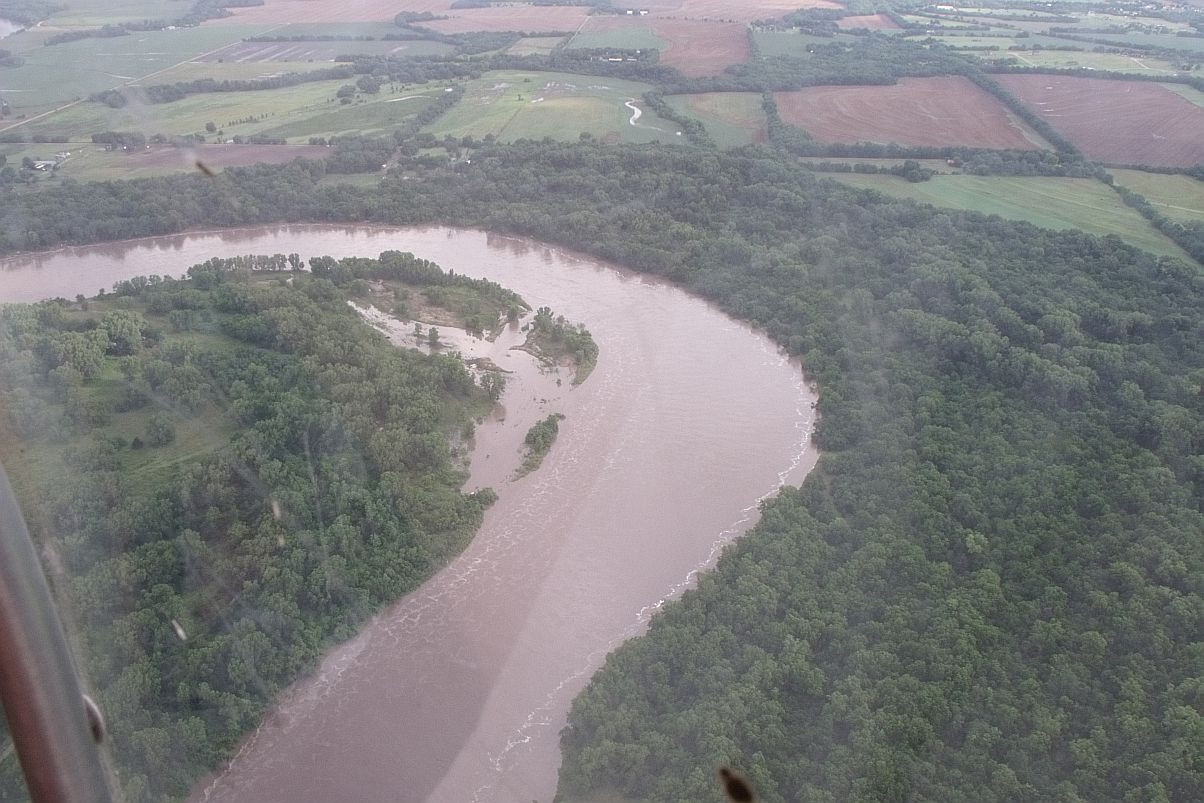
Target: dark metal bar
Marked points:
38	685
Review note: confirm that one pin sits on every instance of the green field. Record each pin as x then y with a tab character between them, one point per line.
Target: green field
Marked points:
732	118
1052	203
532	105
1115	62
94	13
1189	44
1185	91
53	76
774	44
535	45
626	39
1177	197
296	112
229	71
377	29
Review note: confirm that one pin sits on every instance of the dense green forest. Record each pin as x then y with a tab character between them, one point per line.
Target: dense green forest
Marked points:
991	586
232	472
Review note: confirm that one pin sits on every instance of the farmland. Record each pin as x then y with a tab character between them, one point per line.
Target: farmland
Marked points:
530	19
514	105
1115	62
316	50
295	11
92	163
1052	203
873	22
52	76
731	118
787	43
724	9
296	112
695	47
1178	197
631	37
917	111
1119	122
535	45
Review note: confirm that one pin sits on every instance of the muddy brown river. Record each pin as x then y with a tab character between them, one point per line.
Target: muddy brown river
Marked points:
458	692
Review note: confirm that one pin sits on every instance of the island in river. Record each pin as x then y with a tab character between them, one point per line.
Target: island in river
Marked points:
459	690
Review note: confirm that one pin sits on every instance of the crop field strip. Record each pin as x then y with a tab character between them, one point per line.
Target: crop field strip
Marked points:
695	47
299	112
1051	203
308	11
1118	122
1178	197
948	110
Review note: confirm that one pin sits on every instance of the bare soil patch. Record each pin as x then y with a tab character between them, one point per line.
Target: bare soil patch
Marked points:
291	11
917	111
696	47
873	22
1122	122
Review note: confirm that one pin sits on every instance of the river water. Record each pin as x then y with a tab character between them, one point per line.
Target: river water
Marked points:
457	693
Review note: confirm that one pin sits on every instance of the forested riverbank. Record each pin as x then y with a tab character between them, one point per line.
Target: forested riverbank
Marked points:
990	589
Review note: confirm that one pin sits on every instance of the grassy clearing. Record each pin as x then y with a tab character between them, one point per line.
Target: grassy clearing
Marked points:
53	76
1177	197
1114	62
515	105
939	165
371	117
535	45
1052	203
634	38
1184	91
775	44
1185	43
732	118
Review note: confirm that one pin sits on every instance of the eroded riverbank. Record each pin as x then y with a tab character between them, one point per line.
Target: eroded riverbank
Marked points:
458	692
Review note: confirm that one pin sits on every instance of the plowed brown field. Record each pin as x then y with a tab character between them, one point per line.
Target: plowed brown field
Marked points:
696	47
1122	122
917	111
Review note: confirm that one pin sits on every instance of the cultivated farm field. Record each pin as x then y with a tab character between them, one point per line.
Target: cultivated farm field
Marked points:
529	19
292	11
1052	203
323	50
696	47
1119	122
948	110
296	112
